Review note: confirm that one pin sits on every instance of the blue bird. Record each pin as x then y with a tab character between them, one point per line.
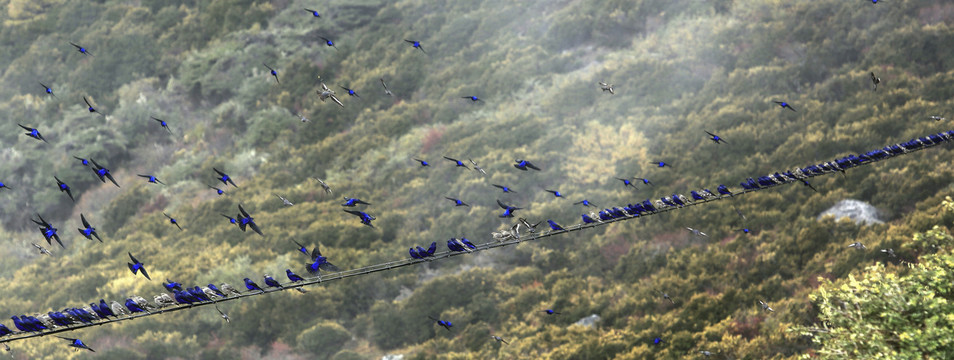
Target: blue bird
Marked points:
172	285
328	42
102	172
173	221
457	202
301	247
273	72
246	220
82	160
351	202
313	12
585	202
587	219
4	186
293	277
137	265
645	181
90	108
551	312
104	307
555	226
809	185
444	324
183	297
88	231
657	340
715	138
162	123
81	49
467	243
224	178
19	324
423	163
452	244
722	189
319	262
77	343
554	192
99	311
414	254
48	231
416	44
431	249
217	190
459	163
350	91
745	230
231	219
216	290
524	164
784	105
33	133
270	281
472	98
151	178
626	182
4	331
252	286
133	307
365	218
661	164
508	209
48	89
422	252
198	294
64	188
504	188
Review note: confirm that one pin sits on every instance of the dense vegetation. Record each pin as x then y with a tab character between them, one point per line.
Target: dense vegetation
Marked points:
679	66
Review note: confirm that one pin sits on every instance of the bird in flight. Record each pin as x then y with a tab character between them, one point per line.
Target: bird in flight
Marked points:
77	343
325	93
457	202
585	202
64	188
784	105
81	49
477	167
504	188
554	192
423	162
224	178
499	339
551	312
661	164
246	220
273	72
217	190
696	232
173	221
313	12
386	90
88	231
162	123
151	178
858	246
42	250
284	200
351	202
48	231
627	182
765	306
350	91
102	172
472	98
48	89
875	80
508	209
324	185
607	87
416	44
319	262
936	117
90	108
223	315
137	266
459	163
444	324
365	218
715	138
33	133
328	42
524	164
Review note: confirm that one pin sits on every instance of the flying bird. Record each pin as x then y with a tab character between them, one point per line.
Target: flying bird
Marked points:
554	192
715	138
351	202
607	87
302	118
301	247
217	190
551	312
524	164
88	231
81	49
444	324
457	202
416	44
328	42
252	286
173	221
645	181
82	160
459	163
224	178
661	164
4	186
48	231
48	90
42	250
696	232
858	246
784	105
504	188
313	12
231	219
477	167
806	183
324	185
151	178
223	315
325	93
666	297
627	182
585	202
77	343
273	72
90	108
137	266
875	80
246	220
33	133
365	218
765	306
423	163
162	123
386	90
508	209
64	188
351	92
499	339
936	117
471	98
319	262
531	228
284	200
102	172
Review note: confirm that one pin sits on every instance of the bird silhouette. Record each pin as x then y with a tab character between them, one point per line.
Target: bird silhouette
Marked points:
102	172
48	231
607	87
459	163
328	42
137	266
504	188
457	202
88	231
64	188
350	92
48	90
245	220
416	44
386	90
162	123
423	163
715	138
81	49
524	164
273	72
77	343
325	93
33	133
90	108
784	105
173	221
313	12
224	178
365	218
875	80
352	202
151	178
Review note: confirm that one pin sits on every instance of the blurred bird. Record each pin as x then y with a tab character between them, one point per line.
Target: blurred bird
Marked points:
102	172
626	182
137	265
423	163
531	228
416	44
33	133
351	202
301	247
293	277
223	315
524	164
228	289
585	202
696	232
217	190
48	90
326	93
162	123
224	178
173	221
705	353
350	92
48	231
471	98
319	262
444	324
82	160
715	138
246	220
806	183
252	286
459	163
302	118
365	218
88	231
4	186
313	12
607	87
875	80
77	343
231	219
784	105
666	297
90	108
284	200
270	281
499	339
477	167
889	252
64	188
386	90
765	306
554	192
328	42
81	49
936	118
324	185
457	202
858	246
508	209
645	181
151	178
551	312
661	164
555	226
273	72
43	250
504	188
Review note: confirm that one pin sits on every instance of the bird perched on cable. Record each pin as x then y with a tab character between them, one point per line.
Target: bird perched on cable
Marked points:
252	286
293	277
271	282
555	226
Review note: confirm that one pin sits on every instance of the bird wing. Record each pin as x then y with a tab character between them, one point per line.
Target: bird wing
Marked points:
87	102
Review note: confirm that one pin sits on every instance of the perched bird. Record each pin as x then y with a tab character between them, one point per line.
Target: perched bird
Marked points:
313	12
223	315
88	231
551	312
416	44
293	277
936	117
319	262
273	72
444	324
81	49
365	218
43	250
471	98
386	90
423	163
217	190
705	353
228	289
77	343
504	188
48	231
661	164
284	200
477	167
585	202
302	118
324	185
224	178
875	80
151	178
102	172
162	123
173	221
252	286
524	164
64	188
499	339
48	90
457	202
246	220
271	282
133	306
325	93
626	182
607	87
414	254
216	291
351	92
172	285
328	42
858	246
715	138
555	226
351	202
508	209
554	192
784	105
33	133
459	163
137	266
90	108
765	306
696	232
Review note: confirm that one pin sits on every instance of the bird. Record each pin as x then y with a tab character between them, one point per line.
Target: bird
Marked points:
551	312
524	164
784	105
173	221
936	117
301	247
661	164
459	163
554	192
627	182
325	93
81	49
705	353
328	42
499	339
444	324
231	219
42	250
555	226
319	262
77	343
477	167
48	90
414	254
696	232
302	118
806	183
273	72
889	252
386	90
90	108
224	178
471	98
423	163
4	186
162	123
351	202
246	220
666	297
217	190
33	133
270	281
875	80
292	276
765	306
284	200
858	246
223	315
324	186
64	188
457	202
531	228
607	87
504	188
137	265
133	306
151	178
365	218
229	290
102	172
82	160
88	231
416	44
585	203
48	231
351	92
508	209
715	138
313	12
252	286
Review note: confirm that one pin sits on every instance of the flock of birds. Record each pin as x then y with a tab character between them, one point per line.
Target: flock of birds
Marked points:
179	296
